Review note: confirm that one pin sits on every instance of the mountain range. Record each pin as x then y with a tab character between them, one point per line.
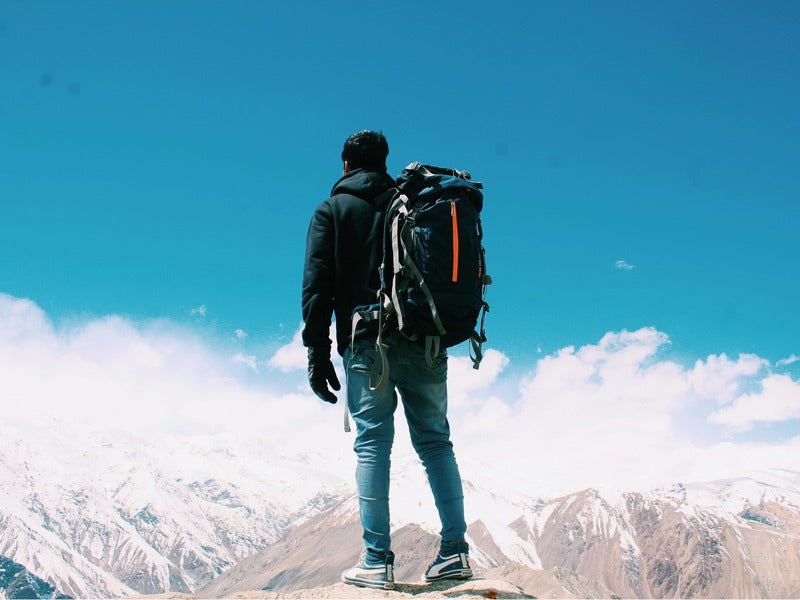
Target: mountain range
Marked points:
102	515
736	538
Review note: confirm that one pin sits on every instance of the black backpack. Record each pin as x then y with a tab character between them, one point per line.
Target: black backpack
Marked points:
434	257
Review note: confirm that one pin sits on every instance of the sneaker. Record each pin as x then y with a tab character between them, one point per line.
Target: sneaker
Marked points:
451	566
363	575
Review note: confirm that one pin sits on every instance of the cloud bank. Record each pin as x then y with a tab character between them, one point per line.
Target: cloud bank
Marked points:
615	414
610	414
113	374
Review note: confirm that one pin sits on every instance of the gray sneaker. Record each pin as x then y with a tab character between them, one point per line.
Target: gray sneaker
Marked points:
453	565
379	576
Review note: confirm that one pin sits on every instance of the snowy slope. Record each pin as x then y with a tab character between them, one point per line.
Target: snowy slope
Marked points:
738	537
102	514
733	538
99	514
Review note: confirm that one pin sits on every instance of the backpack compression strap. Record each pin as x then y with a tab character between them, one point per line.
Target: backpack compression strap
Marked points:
477	339
404	266
417	168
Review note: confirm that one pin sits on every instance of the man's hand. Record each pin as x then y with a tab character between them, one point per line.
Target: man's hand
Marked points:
321	373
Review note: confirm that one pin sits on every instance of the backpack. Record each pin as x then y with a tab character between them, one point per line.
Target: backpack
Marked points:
433	251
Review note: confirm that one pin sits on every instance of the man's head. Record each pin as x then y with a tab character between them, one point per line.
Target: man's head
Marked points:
365	150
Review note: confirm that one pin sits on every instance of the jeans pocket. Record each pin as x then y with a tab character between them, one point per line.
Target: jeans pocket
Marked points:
440	364
362	359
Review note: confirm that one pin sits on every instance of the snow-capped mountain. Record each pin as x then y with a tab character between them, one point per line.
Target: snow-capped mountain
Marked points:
98	515
733	538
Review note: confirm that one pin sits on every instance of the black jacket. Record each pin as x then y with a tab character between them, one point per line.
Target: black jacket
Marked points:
343	252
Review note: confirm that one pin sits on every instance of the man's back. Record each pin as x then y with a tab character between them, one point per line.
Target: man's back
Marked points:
343	253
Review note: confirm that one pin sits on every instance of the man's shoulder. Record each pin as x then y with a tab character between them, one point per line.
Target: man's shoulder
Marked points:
338	202
365	185
341	206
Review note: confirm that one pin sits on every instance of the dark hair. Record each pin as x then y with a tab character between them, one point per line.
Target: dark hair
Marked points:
366	150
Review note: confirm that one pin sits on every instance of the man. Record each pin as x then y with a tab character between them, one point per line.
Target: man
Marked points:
344	250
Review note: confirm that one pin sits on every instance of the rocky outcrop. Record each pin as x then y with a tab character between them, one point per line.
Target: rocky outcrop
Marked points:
474	588
550	583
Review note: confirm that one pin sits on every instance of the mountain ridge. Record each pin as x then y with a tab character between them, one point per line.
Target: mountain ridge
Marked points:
662	543
106	515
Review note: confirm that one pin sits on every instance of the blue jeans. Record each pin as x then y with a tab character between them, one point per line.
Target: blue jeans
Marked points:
423	390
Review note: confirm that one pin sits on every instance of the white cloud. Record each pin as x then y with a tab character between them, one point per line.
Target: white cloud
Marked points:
291	357
248	360
785	362
199	311
720	379
463	380
240	334
113	374
778	400
613	413
624	265
294	356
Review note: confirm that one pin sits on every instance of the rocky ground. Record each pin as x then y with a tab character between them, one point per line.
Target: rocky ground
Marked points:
474	588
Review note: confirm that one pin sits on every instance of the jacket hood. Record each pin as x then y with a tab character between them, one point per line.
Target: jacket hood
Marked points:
363	184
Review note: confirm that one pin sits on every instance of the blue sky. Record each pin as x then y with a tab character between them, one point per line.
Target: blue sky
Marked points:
158	157
160	162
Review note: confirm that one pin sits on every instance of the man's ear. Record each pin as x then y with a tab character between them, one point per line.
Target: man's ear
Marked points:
347	168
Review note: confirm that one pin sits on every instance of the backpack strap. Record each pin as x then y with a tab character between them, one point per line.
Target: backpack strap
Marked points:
384	197
422	285
432	347
358	316
418	169
477	339
379	375
346	417
401	205
404	267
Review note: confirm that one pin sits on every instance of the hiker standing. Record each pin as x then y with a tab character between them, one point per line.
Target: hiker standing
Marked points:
343	254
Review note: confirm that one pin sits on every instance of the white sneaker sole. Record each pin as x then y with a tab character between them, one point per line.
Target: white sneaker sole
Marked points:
376	585
456	574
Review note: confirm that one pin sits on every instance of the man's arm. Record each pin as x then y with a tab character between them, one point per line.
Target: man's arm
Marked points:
319	277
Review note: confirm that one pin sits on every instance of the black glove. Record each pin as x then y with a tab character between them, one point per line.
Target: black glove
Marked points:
321	373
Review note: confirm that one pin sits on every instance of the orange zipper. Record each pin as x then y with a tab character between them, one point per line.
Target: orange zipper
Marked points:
455	239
